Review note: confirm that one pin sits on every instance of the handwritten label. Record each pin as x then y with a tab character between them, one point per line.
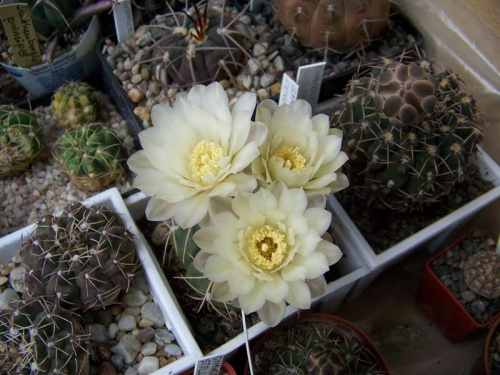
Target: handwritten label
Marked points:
289	90
309	78
209	365
16	20
124	20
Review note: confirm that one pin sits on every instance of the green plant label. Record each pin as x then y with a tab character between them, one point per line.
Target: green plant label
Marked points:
16	20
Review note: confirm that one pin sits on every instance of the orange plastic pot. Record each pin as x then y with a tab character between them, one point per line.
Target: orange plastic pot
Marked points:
441	306
367	342
226	366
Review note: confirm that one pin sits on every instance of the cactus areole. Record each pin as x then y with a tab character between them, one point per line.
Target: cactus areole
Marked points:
337	25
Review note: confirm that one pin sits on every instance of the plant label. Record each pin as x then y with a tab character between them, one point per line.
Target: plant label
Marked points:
124	20
16	20
309	78
289	90
209	365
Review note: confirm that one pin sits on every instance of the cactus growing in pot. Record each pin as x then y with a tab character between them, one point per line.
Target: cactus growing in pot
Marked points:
38	338
81	259
410	132
21	140
333	25
91	156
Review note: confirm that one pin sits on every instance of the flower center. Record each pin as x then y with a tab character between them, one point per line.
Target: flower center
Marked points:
204	160
267	248
292	158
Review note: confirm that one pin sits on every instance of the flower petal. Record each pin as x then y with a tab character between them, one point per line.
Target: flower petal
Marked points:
252	301
316	264
294	272
317	286
276	290
159	210
191	211
331	251
318	219
299	295
272	313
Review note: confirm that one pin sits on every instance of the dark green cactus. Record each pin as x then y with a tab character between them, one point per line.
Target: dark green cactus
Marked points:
74	104
92	156
21	140
81	259
409	131
39	338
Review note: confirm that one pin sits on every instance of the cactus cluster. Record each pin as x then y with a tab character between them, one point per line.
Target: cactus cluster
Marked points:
73	104
333	25
410	131
21	140
81	259
37	337
91	155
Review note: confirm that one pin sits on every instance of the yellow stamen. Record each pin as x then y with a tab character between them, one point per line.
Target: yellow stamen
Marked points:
292	158
205	159
267	248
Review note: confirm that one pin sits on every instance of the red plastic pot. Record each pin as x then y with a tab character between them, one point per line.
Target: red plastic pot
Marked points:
441	306
225	367
318	317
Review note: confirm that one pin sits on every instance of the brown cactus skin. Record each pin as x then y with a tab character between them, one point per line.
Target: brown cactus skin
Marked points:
338	25
482	274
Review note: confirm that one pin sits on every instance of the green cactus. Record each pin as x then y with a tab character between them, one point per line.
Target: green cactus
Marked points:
333	25
316	347
38	338
410	132
81	259
21	140
91	156
75	103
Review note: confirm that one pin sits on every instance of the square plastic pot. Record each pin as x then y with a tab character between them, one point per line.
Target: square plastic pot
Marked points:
173	319
434	235
441	306
351	269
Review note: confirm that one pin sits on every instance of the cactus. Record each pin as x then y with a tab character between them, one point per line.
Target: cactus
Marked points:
482	274
73	104
333	25
21	140
81	259
91	156
410	132
37	337
316	347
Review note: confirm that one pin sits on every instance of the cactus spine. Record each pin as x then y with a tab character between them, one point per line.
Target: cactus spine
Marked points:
73	104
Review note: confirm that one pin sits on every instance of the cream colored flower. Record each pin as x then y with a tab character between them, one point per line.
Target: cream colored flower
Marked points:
300	151
263	250
196	150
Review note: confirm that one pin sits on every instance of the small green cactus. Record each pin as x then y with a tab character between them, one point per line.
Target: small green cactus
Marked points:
39	338
92	156
410	132
74	104
81	259
21	140
333	25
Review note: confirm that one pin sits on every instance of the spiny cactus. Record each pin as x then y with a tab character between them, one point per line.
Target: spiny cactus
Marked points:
91	155
21	140
410	132
333	25
81	259
316	347
74	104
38	338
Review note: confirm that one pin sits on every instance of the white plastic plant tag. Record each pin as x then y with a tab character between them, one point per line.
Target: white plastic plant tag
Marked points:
124	20
255	4
309	78
209	365
289	90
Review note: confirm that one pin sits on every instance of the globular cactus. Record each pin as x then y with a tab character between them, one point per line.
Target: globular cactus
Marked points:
81	259
74	104
482	273
333	25
92	156
410	132
39	338
21	140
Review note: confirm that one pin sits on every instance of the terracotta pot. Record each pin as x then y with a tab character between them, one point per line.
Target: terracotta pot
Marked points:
226	366
323	317
441	306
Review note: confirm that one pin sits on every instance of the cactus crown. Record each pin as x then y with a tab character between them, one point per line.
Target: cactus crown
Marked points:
81	259
410	132
482	274
21	140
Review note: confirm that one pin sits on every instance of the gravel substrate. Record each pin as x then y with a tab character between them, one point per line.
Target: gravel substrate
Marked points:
44	188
